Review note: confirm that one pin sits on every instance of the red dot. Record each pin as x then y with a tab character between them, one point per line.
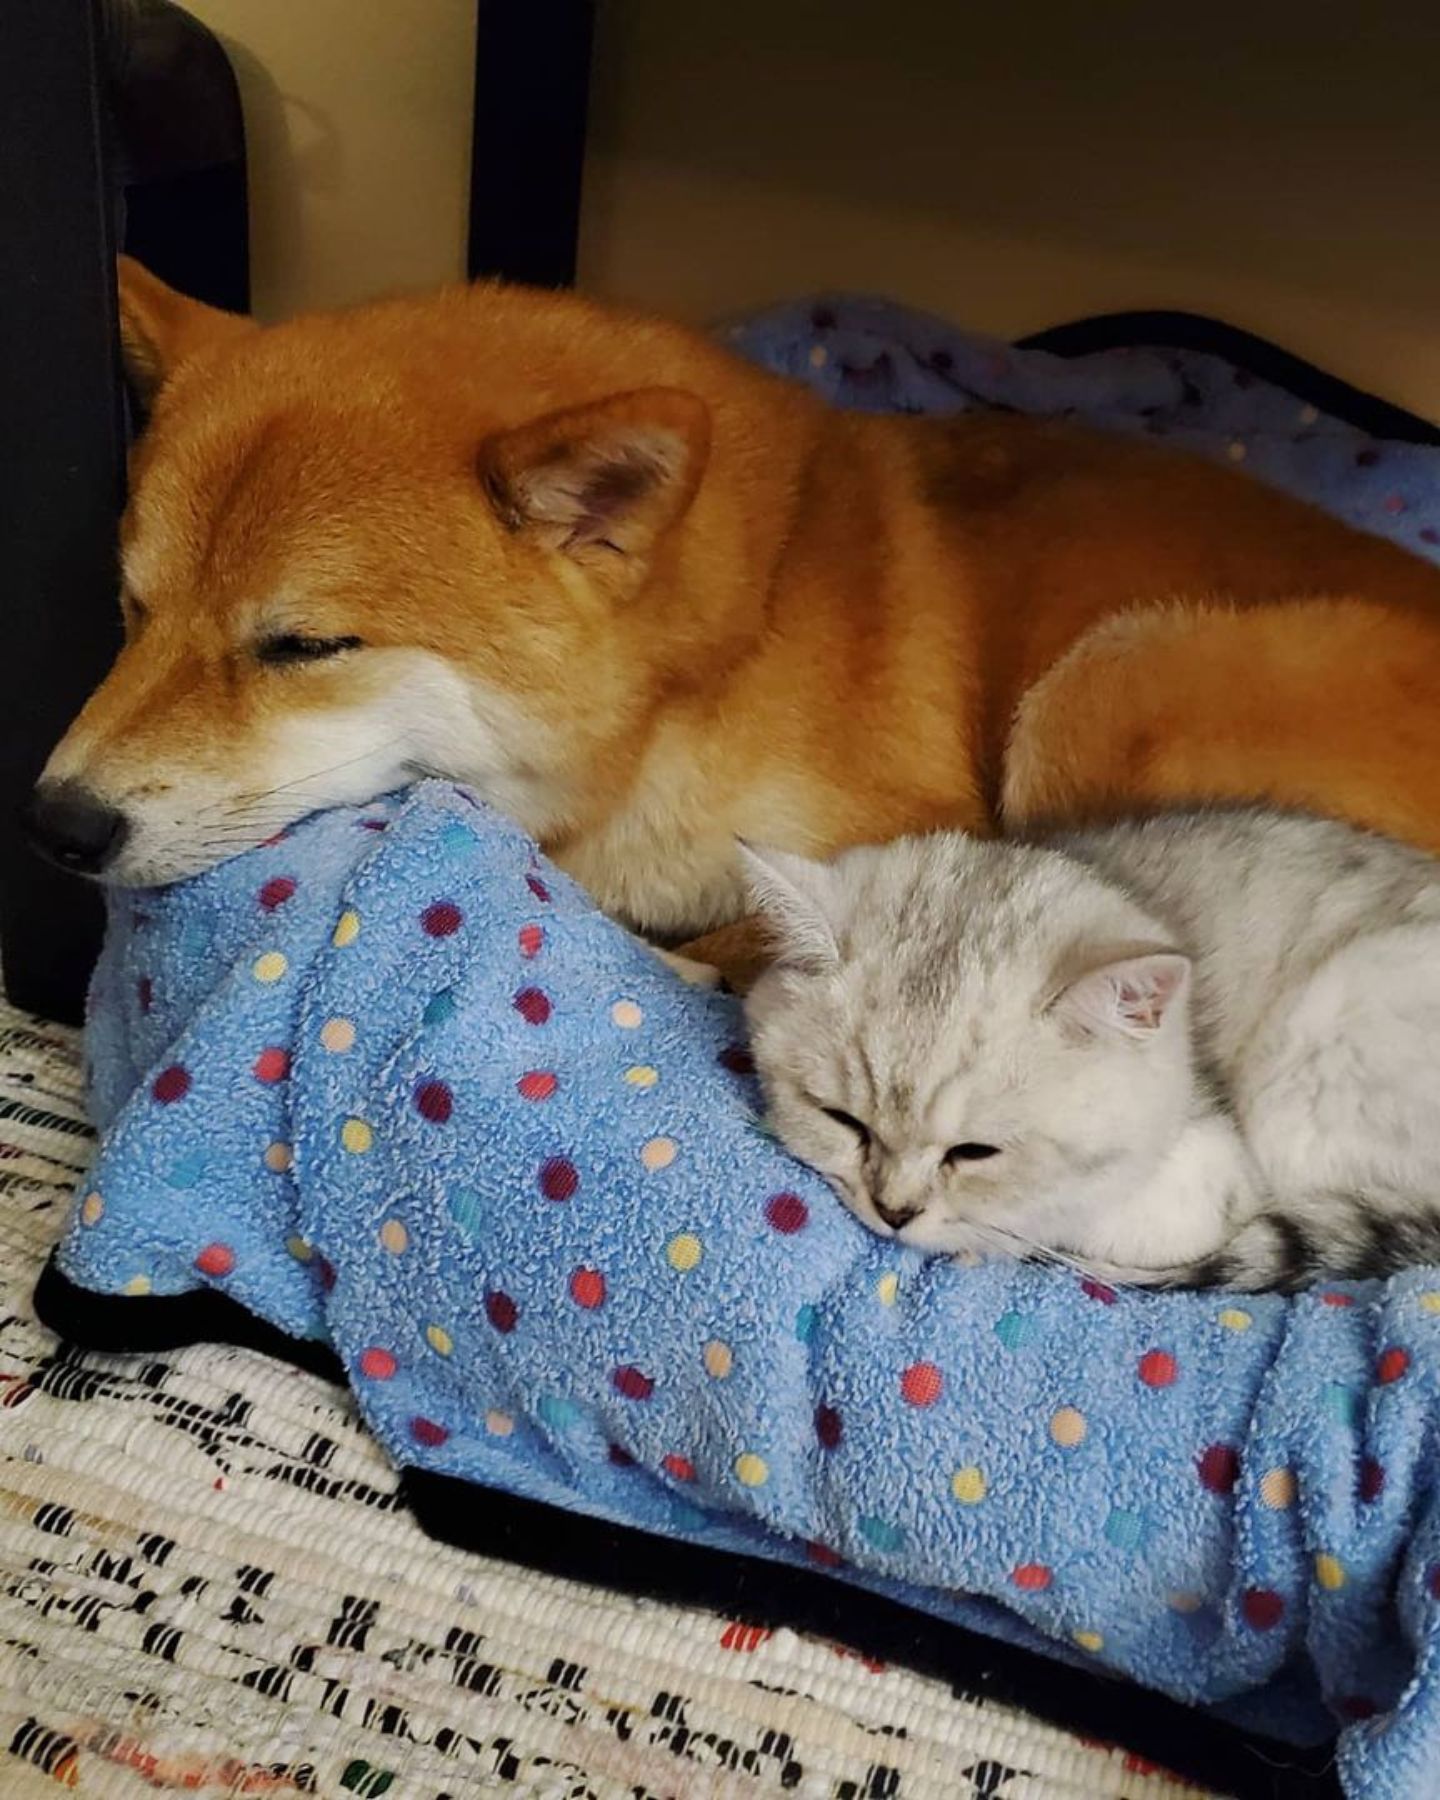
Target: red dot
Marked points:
1372	1478
828	1427
532	1005
538	1084
622	1459
171	1084
501	1310
1394	503
633	1383
277	891
1158	1368
1097	1290
532	937
1359	1706
270	842
1393	1363
537	887
372	824
1220	1468
215	1259
377	1364
737	1059
587	1288
1335	1299
787	1213
427	1432
1262	1608
145	993
443	919
325	1271
1432	1581
823	1555
272	1064
434	1101
559	1178
680	1467
922	1384
1033	1577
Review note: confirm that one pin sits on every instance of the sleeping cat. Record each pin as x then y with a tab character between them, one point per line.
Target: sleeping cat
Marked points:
1199	1049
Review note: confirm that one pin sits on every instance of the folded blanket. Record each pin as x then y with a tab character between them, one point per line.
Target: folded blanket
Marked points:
394	1081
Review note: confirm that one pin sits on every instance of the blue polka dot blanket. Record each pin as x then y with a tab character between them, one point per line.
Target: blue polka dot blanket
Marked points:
392	1082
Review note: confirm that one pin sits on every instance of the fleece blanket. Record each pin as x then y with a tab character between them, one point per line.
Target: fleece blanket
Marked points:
394	1082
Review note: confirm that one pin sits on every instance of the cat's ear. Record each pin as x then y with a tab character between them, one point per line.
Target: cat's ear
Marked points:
796	899
1128	998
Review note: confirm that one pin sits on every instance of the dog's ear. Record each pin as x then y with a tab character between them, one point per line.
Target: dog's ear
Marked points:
160	328
602	483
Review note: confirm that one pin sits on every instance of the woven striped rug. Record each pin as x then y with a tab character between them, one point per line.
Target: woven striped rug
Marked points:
207	1585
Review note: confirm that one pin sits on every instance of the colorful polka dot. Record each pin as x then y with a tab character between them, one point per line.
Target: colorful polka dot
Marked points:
559	1178
325	1269
968	1485
271	1065
829	1427
1068	1427
718	1359
276	892
632	1383
806	1320
278	1157
1429	1302
558	1411
347	929
1372	1479
145	993
887	1288
659	1153
457	839
1432	1581
1262	1608
680	1467
750	1470
434	1102
186	1171
1015	1330
1236	451
428	1433
377	1364
1337	1299
1278	1489
881	1534
1235	1318
921	1384
642	1076
531	940
440	1008
787	1214
92	1210
215	1259
537	1084
394	1237
1393	1364
170	1085
442	920
338	1036
137	1286
356	1136
823	1556
1182	1600
627	1015
587	1288
1097	1290
533	1005
619	1457
538	888
683	1252
1158	1369
270	967
1088	1640
439	1340
501	1311
1126	1529
499	1424
1329	1572
1032	1578
300	1248
1219	1468
1340	1401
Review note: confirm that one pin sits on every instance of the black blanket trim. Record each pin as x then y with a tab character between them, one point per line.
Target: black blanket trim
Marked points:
749	1589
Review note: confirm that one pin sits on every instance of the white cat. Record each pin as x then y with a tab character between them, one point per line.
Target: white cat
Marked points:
1197	1049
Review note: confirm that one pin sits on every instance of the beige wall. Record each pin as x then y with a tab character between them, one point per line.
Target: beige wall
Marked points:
1274	162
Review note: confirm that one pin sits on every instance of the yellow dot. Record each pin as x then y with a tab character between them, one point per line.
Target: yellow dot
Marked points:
439	1340
1277	1489
347	929
1430	1301
299	1248
338	1035
1329	1572
1182	1601
683	1252
819	356
718	1359
642	1075
968	1485
269	967
1090	1640
1235	1318
1068	1427
356	1136
751	1470
394	1237
137	1285
626	1014
886	1288
93	1209
1236	451
659	1153
278	1157
499	1424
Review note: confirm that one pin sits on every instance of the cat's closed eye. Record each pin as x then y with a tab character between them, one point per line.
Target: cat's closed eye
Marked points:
958	1153
849	1121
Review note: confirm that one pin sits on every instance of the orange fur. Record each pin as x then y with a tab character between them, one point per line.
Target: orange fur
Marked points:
695	604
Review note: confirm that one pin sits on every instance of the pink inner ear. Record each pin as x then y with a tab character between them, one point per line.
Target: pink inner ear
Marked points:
1131	996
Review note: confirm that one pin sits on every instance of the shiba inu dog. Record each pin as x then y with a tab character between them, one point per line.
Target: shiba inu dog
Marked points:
648	599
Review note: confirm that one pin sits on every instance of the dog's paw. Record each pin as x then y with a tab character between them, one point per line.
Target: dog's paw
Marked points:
695	974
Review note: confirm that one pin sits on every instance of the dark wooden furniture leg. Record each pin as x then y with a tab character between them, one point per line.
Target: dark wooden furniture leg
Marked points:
532	89
61	463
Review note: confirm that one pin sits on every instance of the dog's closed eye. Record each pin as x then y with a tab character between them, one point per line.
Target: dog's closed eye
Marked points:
292	647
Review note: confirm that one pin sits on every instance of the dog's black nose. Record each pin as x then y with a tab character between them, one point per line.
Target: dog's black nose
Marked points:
65	822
